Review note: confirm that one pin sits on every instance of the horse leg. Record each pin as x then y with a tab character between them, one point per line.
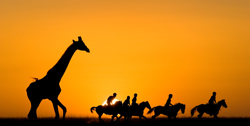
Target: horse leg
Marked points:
200	115
129	118
113	116
215	116
112	120
144	117
120	117
100	115
117	119
126	119
34	105
154	116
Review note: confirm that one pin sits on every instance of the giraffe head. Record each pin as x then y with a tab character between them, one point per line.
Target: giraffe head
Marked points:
80	44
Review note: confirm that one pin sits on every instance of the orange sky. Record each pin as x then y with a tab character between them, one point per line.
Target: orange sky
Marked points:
149	47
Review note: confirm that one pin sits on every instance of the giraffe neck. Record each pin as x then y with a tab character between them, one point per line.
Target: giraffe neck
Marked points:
57	71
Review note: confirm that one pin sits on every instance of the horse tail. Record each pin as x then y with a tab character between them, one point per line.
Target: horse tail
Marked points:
193	110
151	110
92	109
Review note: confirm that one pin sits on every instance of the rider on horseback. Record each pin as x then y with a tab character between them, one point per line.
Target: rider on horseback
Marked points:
212	99
134	104
168	104
110	99
126	103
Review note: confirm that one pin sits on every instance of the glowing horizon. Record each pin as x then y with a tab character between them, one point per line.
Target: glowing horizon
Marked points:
113	102
153	48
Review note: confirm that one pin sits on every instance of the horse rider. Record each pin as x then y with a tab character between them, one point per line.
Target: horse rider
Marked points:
126	103
134	104
212	100
168	103
110	99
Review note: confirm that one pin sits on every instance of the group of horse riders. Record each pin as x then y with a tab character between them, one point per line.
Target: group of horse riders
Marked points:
126	103
212	108
168	104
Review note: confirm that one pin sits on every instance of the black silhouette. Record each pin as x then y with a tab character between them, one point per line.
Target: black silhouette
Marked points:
135	111
168	103
108	110
48	87
126	103
212	100
209	109
134	104
168	111
110	99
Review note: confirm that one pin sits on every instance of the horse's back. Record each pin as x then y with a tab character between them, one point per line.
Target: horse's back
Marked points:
159	109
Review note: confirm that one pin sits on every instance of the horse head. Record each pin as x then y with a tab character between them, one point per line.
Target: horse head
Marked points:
145	104
183	108
180	106
223	103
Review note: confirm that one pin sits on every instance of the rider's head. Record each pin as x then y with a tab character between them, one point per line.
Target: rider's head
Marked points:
214	93
135	95
128	97
114	94
170	95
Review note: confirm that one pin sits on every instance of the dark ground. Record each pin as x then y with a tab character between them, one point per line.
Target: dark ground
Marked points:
157	121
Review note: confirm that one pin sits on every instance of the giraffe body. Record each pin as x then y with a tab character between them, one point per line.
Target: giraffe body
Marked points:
48	87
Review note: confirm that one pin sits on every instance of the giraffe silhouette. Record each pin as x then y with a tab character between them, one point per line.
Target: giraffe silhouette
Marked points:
48	87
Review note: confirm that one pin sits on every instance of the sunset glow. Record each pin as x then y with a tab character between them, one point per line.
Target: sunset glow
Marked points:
189	48
113	102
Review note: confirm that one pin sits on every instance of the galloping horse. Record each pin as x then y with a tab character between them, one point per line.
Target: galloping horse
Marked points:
170	113
109	110
135	111
211	110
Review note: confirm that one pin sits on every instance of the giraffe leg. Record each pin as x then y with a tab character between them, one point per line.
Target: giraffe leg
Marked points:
34	105
63	108
55	105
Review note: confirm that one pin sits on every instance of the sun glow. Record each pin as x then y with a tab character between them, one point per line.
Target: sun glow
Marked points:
113	102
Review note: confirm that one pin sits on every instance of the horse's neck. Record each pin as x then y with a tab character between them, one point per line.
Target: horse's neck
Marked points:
176	107
218	106
142	105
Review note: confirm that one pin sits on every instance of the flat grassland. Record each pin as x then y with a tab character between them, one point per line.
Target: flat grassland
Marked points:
135	121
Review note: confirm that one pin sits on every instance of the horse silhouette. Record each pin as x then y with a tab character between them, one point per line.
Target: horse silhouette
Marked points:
170	112
113	110
48	87
209	109
128	112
